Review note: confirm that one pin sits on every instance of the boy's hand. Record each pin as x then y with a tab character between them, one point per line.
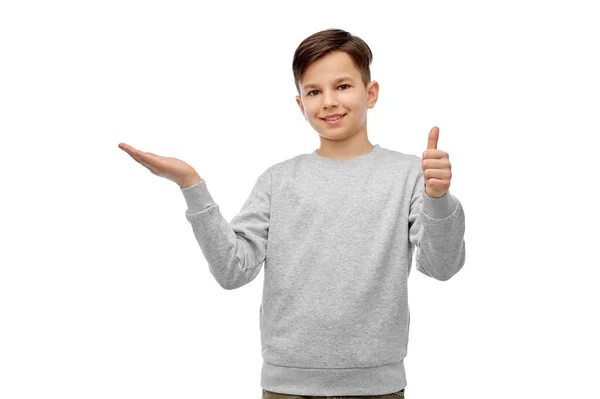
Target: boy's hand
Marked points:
169	168
437	170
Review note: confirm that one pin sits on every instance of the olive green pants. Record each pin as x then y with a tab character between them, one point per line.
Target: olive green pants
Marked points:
273	395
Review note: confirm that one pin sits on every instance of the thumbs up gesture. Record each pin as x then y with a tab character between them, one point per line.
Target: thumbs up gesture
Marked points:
437	170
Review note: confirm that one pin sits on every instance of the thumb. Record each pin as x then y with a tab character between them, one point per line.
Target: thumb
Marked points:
434	134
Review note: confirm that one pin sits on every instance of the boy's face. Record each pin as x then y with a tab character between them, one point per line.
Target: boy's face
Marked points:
333	85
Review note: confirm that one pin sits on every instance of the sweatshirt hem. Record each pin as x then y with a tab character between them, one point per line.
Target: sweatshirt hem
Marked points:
378	380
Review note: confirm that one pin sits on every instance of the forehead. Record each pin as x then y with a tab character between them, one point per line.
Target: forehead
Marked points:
329	68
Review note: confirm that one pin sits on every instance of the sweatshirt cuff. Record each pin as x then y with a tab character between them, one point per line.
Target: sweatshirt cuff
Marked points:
439	208
197	197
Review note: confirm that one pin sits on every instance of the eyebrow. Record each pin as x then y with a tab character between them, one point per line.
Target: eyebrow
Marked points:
336	81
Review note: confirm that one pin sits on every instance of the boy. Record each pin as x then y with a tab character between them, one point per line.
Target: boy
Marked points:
336	229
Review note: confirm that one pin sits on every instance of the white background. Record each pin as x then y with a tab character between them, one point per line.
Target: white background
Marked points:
104	292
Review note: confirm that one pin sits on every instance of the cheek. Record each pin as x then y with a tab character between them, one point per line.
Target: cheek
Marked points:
311	109
354	103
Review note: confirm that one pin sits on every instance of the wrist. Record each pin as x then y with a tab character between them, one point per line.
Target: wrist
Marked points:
191	181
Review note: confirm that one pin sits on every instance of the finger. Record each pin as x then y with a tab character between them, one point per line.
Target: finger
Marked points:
145	156
142	162
148	156
434	134
435	154
436	163
129	149
441	174
126	147
438	184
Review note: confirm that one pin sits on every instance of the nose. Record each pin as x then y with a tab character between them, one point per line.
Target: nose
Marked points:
329	99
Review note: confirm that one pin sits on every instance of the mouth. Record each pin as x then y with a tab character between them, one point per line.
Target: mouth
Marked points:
334	120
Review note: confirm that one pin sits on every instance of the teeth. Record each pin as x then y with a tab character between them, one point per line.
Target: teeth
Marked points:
333	119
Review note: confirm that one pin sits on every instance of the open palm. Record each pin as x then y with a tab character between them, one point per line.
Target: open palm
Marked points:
170	168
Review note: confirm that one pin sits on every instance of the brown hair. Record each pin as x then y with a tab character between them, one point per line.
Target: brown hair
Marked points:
326	41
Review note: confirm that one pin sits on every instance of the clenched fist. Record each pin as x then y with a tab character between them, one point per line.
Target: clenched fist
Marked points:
170	168
437	170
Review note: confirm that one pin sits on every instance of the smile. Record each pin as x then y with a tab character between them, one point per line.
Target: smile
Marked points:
335	120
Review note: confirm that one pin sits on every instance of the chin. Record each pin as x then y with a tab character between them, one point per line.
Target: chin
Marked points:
335	137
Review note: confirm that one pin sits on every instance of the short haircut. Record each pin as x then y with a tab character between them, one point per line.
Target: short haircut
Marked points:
324	42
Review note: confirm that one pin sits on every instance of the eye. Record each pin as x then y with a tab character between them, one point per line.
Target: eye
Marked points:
344	85
312	91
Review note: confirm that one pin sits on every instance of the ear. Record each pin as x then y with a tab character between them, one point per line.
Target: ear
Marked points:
299	102
372	93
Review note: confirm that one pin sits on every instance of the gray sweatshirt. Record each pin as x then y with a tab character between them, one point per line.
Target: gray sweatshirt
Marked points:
336	239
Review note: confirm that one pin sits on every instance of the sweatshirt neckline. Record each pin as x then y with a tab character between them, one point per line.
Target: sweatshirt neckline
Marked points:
360	159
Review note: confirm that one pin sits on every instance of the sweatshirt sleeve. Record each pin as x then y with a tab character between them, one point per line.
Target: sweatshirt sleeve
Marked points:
437	228
234	251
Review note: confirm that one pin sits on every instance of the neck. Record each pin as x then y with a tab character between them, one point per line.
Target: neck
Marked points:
344	150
